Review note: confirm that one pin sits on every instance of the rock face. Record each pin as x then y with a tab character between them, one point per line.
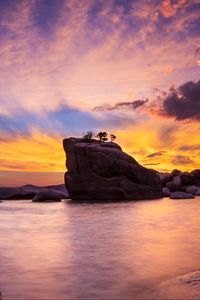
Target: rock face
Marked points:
102	171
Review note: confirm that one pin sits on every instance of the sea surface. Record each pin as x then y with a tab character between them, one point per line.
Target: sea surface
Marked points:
130	250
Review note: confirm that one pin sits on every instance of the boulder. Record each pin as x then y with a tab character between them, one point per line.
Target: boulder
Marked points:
60	190
192	189
175	172
30	190
166	192
181	195
196	174
197	182
165	178
10	193
47	196
172	186
102	171
177	181
187	178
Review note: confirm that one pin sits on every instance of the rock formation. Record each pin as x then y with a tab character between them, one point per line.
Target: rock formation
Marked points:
102	171
29	191
176	182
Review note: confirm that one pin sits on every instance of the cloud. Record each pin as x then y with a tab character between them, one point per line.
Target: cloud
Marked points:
182	160
122	105
197	49
169	70
183	103
65	119
190	147
156	154
151	164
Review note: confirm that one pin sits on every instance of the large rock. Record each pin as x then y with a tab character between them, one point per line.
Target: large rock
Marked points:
172	186
181	195
102	171
10	193
187	178
28	191
166	192
46	196
59	190
192	189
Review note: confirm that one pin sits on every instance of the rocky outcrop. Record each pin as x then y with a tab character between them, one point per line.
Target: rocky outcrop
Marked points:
10	193
102	171
178	182
29	191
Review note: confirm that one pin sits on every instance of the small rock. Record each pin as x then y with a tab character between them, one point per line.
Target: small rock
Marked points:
181	195
47	196
166	192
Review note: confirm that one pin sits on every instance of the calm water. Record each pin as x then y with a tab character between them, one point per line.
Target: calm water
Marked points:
127	250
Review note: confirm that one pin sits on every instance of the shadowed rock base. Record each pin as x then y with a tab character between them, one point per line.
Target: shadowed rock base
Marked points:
102	171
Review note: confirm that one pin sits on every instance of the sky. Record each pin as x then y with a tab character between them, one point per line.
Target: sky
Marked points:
128	67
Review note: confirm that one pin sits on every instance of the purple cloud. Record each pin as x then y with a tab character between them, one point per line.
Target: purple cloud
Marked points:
122	105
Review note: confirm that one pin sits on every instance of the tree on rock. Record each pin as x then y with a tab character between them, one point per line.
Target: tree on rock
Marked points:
102	136
112	137
88	136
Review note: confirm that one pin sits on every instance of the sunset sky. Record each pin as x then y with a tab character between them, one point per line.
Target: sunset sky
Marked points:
129	67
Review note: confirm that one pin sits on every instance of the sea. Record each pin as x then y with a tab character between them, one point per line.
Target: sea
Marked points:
124	250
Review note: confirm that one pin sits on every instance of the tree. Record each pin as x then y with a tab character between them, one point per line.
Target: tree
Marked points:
88	136
112	137
102	136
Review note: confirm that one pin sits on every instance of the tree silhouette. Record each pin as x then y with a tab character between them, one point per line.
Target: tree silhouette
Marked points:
112	137
88	136
102	136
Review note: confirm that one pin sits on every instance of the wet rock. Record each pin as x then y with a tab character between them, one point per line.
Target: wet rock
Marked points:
47	196
181	195
102	171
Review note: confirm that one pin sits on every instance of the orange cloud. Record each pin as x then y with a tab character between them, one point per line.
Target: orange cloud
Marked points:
169	70
39	152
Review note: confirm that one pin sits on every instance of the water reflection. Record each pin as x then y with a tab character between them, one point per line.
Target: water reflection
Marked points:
103	251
